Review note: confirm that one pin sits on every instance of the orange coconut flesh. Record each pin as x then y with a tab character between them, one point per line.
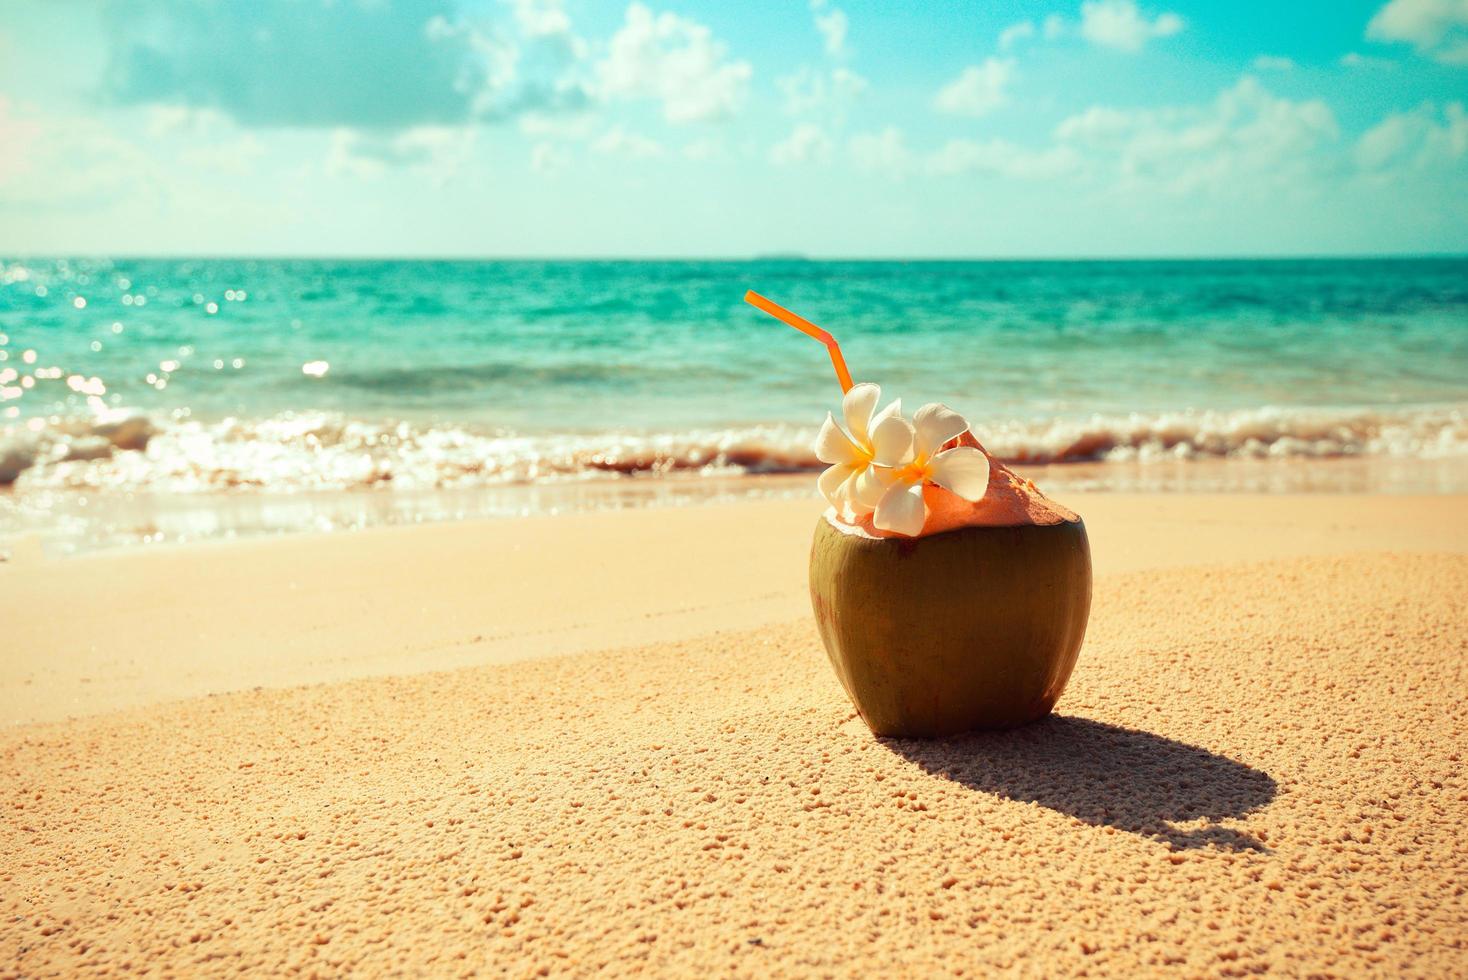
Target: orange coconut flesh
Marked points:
1010	501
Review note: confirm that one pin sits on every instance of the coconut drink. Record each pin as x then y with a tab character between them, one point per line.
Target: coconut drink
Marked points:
950	593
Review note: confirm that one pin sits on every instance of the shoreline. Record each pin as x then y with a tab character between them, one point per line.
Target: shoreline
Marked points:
66	523
138	626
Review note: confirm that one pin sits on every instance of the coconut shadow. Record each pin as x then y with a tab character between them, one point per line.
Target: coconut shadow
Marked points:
1106	776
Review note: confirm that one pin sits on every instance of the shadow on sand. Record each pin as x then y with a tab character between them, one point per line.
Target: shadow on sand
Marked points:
1106	776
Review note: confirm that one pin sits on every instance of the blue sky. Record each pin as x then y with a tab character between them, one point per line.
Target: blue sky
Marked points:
828	127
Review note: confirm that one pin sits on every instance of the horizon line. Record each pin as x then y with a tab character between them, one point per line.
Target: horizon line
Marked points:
732	259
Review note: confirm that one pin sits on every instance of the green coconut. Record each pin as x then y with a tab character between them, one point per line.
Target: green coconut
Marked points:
969	629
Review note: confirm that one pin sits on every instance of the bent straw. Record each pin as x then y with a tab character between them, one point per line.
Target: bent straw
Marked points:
809	329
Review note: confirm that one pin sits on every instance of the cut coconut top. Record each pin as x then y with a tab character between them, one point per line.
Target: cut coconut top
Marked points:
1011	501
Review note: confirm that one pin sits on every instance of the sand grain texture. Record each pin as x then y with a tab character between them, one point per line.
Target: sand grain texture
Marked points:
1254	766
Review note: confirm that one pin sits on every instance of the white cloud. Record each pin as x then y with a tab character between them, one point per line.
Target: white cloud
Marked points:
17	136
821	95
1054	26
619	142
675	61
538	72
235	157
846	84
832	23
1416	140
342	160
1272	62
1004	159
1015	33
978	90
577	126
1246	137
1436	28
182	120
541	18
76	163
547	157
1121	25
884	152
807	143
436	151
809	90
704	149
57	169
1100	124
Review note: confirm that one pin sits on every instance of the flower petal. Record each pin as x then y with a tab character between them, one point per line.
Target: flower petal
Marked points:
834	446
834	483
964	470
893	409
855	509
892	441
857	407
902	510
870	485
936	424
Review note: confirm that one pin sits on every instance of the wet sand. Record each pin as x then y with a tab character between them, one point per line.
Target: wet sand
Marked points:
1258	763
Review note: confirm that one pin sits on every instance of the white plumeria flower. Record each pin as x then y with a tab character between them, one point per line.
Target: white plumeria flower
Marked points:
882	439
895	490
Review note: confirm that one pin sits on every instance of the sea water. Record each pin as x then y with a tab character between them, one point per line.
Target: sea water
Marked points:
178	381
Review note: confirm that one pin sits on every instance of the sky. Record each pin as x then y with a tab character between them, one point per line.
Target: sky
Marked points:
1082	128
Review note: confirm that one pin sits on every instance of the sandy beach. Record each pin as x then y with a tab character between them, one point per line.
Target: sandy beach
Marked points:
564	744
419	421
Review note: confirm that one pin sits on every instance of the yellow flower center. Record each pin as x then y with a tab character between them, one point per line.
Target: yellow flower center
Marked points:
920	470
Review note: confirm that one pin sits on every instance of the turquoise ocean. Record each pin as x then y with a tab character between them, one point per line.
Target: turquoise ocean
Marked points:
191	385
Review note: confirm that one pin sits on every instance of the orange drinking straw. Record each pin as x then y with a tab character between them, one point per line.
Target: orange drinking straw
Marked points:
810	329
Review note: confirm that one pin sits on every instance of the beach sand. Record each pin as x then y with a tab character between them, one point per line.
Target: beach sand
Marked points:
256	757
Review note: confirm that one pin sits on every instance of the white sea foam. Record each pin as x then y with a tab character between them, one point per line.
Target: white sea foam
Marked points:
314	451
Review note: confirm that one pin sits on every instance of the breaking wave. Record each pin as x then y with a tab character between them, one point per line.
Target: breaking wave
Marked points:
321	451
